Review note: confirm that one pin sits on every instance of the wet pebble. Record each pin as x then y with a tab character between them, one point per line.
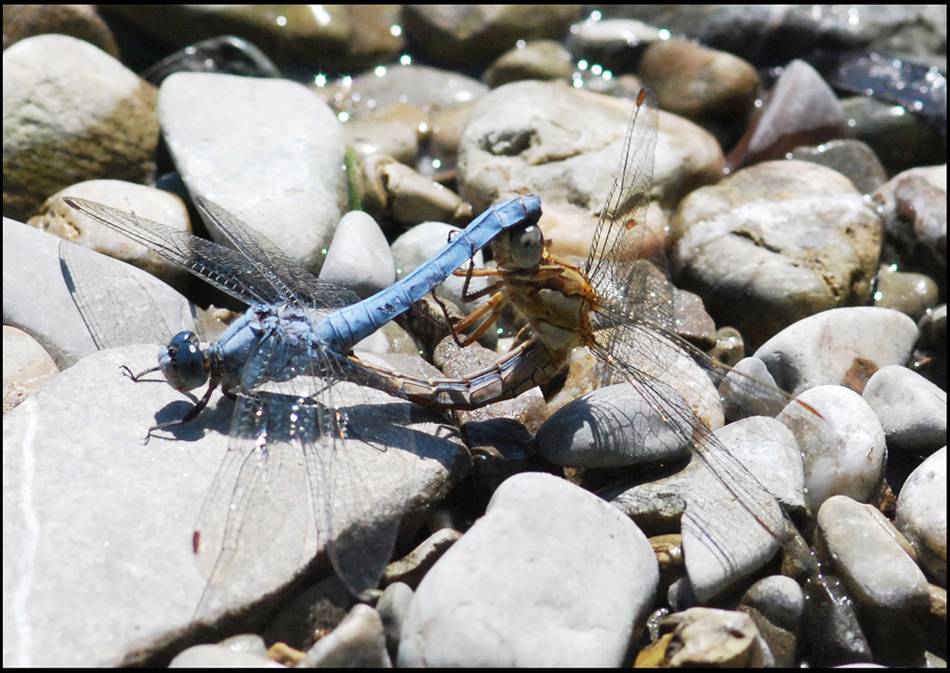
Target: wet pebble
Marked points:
359	256
519	588
824	348
832	634
843	445
922	514
851	158
910	293
380	136
707	637
224	54
473	35
71	112
801	110
330	37
774	243
228	136
421	86
914	207
79	21
912	410
887	586
776	605
539	59
612	42
695	81
392	189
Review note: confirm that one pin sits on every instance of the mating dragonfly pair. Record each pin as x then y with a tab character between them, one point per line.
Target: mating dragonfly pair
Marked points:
301	329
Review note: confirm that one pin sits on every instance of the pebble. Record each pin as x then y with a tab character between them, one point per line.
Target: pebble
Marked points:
722	542
411	568
611	427
358	641
160	488
124	304
912	410
823	348
519	588
393	607
71	113
922	514
359	257
775	243
228	138
27	365
883	581
842	445
146	202
393	190
564	146
420	243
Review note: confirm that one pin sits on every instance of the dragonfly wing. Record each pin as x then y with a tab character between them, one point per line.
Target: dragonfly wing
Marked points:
117	309
316	464
725	546
619	235
256	531
226	269
293	282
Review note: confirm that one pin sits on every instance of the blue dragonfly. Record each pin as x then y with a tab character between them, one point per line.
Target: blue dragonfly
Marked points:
284	361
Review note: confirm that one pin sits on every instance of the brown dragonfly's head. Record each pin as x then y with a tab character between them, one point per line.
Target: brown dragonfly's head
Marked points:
519	248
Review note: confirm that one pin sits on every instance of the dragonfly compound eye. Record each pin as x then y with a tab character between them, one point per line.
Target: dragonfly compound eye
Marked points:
183	363
527	247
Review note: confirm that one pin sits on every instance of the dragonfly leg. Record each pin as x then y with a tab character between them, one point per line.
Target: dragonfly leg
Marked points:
137	377
472	272
192	413
492	307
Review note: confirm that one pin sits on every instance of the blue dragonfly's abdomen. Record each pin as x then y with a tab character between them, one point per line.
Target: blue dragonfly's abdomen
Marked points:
344	328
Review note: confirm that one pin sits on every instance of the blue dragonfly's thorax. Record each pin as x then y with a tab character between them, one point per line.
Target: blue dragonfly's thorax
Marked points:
187	365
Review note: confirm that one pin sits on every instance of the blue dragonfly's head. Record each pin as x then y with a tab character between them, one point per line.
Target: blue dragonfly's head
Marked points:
183	363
